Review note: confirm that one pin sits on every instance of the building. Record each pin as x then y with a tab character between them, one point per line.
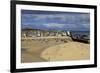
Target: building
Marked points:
42	33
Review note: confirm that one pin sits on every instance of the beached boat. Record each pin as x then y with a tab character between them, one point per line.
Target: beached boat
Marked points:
80	36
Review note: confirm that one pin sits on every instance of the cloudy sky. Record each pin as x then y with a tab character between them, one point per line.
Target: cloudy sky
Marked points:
55	20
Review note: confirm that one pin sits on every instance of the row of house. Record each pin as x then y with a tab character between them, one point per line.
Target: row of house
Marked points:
46	33
43	33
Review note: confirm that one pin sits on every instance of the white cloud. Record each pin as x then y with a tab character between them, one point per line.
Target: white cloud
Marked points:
54	25
86	25
61	17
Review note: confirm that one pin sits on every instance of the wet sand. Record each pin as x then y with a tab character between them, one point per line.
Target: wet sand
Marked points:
43	50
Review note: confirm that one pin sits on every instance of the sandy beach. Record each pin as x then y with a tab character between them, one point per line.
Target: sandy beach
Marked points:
53	49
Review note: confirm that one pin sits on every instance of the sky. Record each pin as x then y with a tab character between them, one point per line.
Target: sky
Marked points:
54	20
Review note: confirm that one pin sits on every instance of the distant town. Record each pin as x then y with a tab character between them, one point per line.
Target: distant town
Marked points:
44	33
